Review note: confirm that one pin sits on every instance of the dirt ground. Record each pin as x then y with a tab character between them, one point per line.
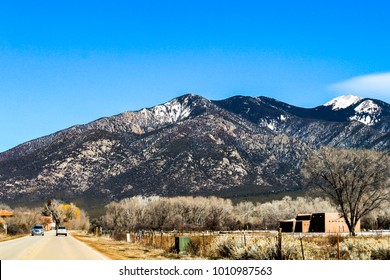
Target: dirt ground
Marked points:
122	250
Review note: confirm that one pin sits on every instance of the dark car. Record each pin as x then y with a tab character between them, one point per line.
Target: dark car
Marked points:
38	230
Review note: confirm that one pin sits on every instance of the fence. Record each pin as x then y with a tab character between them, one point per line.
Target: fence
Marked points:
275	245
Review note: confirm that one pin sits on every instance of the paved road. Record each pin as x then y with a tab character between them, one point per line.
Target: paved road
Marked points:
48	247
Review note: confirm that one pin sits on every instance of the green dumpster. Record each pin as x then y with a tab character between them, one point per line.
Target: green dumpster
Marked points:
181	244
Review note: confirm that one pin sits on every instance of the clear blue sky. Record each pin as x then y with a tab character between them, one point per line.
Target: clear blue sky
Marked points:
70	62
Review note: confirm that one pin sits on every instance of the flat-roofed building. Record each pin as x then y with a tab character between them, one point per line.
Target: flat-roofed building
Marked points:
330	222
317	222
287	225
302	226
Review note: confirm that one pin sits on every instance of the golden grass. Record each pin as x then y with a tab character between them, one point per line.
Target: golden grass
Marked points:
120	250
236	246
4	237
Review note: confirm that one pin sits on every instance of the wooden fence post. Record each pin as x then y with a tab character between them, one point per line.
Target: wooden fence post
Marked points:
279	251
203	244
338	246
303	254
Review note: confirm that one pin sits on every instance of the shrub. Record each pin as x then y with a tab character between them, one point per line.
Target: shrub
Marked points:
266	249
381	252
254	249
14	229
229	248
195	246
332	239
263	249
118	235
291	249
365	249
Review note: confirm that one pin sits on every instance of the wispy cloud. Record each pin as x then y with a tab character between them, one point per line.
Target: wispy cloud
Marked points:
373	85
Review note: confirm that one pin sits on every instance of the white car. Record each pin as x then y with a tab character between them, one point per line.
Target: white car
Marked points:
61	230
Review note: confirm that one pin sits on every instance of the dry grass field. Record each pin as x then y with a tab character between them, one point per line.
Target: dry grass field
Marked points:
241	246
120	250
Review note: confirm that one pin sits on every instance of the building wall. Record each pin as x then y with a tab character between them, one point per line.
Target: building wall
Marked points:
334	222
302	226
287	225
319	222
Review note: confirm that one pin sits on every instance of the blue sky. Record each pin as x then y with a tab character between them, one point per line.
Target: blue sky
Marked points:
70	62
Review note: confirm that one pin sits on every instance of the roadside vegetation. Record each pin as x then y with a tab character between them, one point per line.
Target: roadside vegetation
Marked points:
23	218
201	213
239	245
6	237
215	214
66	214
219	229
120	249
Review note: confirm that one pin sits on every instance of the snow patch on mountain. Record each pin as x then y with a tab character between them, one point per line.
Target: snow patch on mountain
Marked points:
172	111
365	119
269	123
368	107
148	119
343	101
368	112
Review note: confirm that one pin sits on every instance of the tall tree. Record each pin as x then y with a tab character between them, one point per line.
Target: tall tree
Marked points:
357	180
52	208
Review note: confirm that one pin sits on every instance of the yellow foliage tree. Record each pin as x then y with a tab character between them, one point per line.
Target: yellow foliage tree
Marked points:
70	212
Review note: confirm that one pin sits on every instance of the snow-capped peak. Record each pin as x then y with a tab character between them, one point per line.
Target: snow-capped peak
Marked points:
343	101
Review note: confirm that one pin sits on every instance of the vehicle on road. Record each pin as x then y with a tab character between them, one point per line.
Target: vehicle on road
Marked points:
61	230
38	230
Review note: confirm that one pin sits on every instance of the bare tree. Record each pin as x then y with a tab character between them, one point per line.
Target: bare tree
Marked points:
23	219
356	180
53	208
378	219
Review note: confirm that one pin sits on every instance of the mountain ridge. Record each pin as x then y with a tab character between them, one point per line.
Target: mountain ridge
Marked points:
189	145
322	112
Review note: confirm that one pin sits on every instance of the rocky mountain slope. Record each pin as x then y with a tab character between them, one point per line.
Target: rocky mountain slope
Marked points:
189	146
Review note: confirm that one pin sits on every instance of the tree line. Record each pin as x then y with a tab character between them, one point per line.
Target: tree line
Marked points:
24	218
204	213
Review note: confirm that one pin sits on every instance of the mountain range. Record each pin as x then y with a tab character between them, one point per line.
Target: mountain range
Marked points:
237	147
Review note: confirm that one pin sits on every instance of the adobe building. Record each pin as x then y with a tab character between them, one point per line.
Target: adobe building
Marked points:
287	225
317	222
330	222
300	224
4	214
303	222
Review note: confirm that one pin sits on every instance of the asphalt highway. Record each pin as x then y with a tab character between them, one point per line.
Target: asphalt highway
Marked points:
47	247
